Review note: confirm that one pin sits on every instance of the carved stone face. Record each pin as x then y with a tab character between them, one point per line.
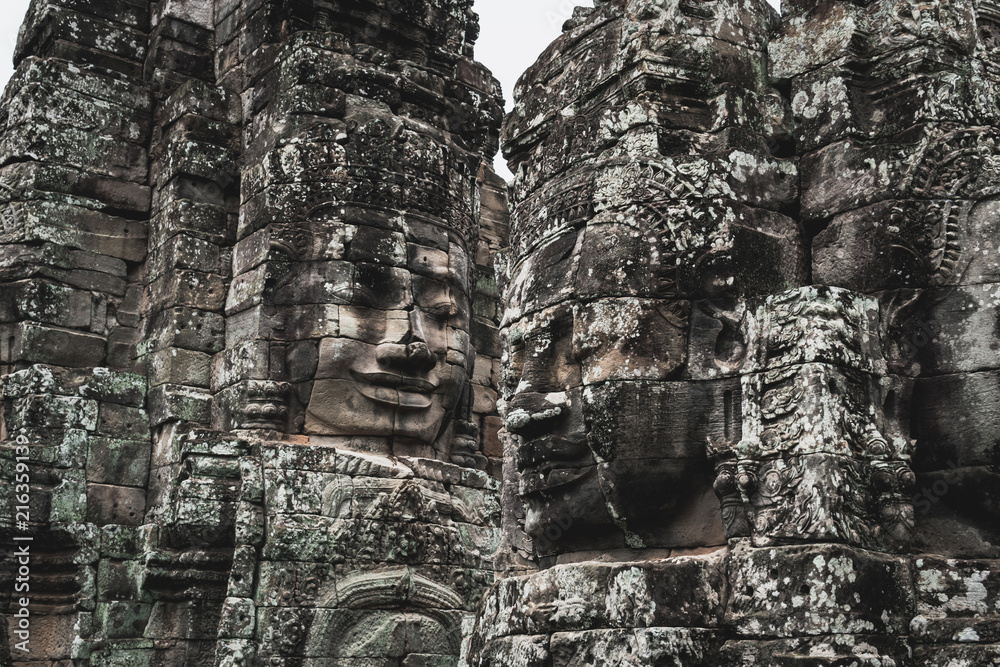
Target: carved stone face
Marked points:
396	363
611	446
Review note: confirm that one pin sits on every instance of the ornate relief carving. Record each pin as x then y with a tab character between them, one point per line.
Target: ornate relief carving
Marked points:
816	460
947	176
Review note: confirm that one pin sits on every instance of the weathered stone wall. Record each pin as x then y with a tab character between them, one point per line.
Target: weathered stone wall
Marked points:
895	109
251	257
185	183
77	126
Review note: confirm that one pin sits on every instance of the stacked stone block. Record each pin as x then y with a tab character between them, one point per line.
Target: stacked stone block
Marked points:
657	612
188	264
75	194
486	315
80	438
189	554
194	473
193	172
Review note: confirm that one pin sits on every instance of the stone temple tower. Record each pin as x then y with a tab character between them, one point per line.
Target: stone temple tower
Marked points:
249	323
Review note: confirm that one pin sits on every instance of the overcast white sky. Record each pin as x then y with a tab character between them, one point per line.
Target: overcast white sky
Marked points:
514	33
11	15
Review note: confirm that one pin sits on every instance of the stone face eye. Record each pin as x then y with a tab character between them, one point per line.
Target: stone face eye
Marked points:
441	310
363	296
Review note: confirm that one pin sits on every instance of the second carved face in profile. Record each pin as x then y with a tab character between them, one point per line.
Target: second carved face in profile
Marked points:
610	443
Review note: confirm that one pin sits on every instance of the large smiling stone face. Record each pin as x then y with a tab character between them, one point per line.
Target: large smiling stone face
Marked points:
395	362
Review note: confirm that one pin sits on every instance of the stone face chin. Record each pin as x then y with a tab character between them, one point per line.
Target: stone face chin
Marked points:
290	377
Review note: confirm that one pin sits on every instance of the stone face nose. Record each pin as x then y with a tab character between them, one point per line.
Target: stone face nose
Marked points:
419	356
411	354
409	357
